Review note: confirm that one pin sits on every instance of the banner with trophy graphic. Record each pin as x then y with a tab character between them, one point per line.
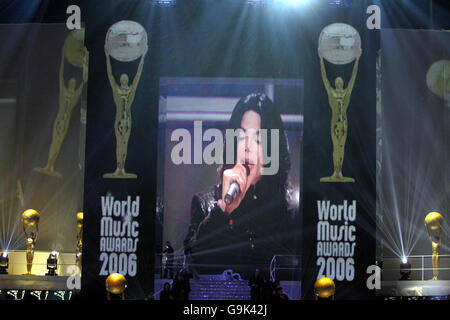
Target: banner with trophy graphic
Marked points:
339	163
43	118
415	138
118	211
126	41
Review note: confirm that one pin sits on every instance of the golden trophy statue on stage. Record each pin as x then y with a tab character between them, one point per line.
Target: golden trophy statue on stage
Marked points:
79	247
125	41
30	219
433	224
324	288
339	44
77	55
115	284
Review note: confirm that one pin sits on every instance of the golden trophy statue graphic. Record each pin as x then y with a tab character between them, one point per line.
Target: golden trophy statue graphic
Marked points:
125	41
115	284
339	44
433	224
438	79
77	55
324	288
79	246
30	220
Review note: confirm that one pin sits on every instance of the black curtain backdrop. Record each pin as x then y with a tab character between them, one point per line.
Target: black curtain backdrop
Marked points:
416	135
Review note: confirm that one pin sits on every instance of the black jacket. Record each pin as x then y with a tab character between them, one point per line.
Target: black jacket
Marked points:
248	237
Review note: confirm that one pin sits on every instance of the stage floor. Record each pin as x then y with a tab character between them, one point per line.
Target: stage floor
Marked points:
417	288
33	282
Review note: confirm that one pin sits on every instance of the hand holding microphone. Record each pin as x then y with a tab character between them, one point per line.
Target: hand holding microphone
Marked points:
234	187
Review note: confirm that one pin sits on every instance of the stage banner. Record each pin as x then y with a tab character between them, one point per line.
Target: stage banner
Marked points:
42	111
415	138
119	196
339	152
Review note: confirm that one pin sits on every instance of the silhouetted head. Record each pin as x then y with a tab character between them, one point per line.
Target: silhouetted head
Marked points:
251	113
339	83
72	83
124	80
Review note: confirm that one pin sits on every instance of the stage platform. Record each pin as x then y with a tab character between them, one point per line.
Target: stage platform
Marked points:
214	287
416	288
18	263
32	283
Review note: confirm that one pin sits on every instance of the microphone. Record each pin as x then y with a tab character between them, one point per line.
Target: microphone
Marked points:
234	190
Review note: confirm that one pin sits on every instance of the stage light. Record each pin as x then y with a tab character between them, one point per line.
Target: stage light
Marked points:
165	2
405	269
255	2
340	3
4	263
292	2
52	264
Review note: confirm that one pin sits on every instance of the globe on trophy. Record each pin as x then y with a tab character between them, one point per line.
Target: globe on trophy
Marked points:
75	53
115	284
74	48
433	224
438	79
339	44
324	288
30	222
125	41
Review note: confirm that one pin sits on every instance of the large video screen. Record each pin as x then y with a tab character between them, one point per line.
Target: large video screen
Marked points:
215	132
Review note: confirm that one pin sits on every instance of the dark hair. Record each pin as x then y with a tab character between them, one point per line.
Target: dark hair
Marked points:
270	119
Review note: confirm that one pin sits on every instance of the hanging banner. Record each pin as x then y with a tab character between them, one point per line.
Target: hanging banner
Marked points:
339	155
119	203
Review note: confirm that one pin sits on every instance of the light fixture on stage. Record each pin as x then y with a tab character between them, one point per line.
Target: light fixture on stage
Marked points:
405	269
164	3
4	263
256	2
292	2
52	264
340	3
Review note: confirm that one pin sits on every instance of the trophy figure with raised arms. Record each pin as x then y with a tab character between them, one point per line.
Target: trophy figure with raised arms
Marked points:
339	44
433	225
30	222
77	55
125	41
